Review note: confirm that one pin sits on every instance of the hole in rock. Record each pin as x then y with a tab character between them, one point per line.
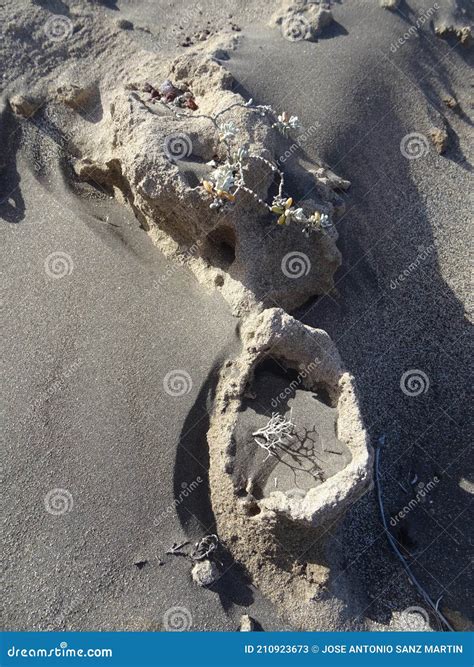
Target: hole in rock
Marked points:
254	510
306	452
220	247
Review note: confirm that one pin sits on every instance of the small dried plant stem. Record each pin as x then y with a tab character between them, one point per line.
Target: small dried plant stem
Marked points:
254	195
277	430
213	120
391	540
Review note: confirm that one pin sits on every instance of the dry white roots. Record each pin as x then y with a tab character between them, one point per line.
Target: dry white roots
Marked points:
204	548
278	431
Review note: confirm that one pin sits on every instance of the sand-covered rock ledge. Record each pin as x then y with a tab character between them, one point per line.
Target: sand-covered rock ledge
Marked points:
262	532
311	353
241	251
116	137
156	161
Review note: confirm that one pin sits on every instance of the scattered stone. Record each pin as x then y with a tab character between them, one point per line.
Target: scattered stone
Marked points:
205	573
74	96
451	103
140	564
464	34
390	4
439	138
302	21
23	106
123	24
459	622
247	623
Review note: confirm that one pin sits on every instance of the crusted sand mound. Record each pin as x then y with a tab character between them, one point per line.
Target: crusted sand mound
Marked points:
265	532
158	156
241	234
312	354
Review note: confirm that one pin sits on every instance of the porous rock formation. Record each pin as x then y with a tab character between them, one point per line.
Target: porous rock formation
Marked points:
239	249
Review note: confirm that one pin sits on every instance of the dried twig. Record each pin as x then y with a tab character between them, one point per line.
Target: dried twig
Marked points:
205	547
277	431
426	597
176	549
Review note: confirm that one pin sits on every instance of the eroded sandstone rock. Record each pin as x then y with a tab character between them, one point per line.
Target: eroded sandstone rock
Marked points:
159	160
205	573
300	20
24	105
